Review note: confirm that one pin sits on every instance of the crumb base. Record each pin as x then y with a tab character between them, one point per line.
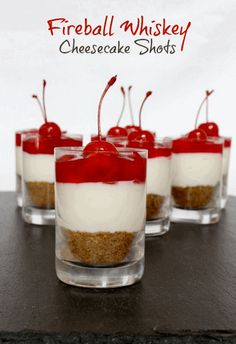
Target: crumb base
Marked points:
41	194
196	197
99	247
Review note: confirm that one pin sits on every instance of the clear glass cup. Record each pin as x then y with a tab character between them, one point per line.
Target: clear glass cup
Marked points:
197	180
38	176
159	188
225	170
18	163
118	141
100	217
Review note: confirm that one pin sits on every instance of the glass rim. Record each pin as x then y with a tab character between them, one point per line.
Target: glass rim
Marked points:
227	137
211	139
117	137
26	131
119	149
63	135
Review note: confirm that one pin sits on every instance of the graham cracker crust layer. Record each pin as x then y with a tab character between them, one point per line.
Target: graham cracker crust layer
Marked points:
41	194
100	247
196	197
153	205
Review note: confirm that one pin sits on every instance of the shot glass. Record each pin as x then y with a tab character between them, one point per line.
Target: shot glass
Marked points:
225	171
38	176
18	163
100	217
159	188
197	180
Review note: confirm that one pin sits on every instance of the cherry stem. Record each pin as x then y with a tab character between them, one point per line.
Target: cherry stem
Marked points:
130	105
208	93
44	105
141	108
40	105
123	106
109	84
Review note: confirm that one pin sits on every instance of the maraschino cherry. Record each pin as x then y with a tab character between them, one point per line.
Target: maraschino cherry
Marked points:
142	138
100	146
131	127
48	129
118	131
197	134
210	128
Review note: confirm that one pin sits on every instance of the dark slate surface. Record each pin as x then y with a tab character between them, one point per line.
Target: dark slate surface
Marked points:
188	293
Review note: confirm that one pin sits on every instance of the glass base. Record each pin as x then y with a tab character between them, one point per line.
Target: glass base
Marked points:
203	217
223	202
157	227
19	200
99	277
38	216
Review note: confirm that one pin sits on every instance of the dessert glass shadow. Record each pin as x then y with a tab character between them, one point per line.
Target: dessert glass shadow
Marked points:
38	175
158	187
197	179
100	216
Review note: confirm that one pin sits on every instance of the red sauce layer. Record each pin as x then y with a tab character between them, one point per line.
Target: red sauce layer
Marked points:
159	152
153	151
44	145
227	143
19	133
185	145
101	167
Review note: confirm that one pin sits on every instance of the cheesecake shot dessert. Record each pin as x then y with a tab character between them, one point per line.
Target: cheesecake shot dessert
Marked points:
18	163
38	169
158	176
38	175
197	174
100	213
212	130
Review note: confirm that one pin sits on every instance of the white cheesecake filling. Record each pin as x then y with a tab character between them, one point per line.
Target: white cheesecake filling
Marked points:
159	176
193	169
19	160
38	167
94	207
226	158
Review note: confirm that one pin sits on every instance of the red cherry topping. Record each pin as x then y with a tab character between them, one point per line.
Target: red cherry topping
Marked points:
210	128
143	139
100	146
133	134
50	129
117	131
197	134
205	100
